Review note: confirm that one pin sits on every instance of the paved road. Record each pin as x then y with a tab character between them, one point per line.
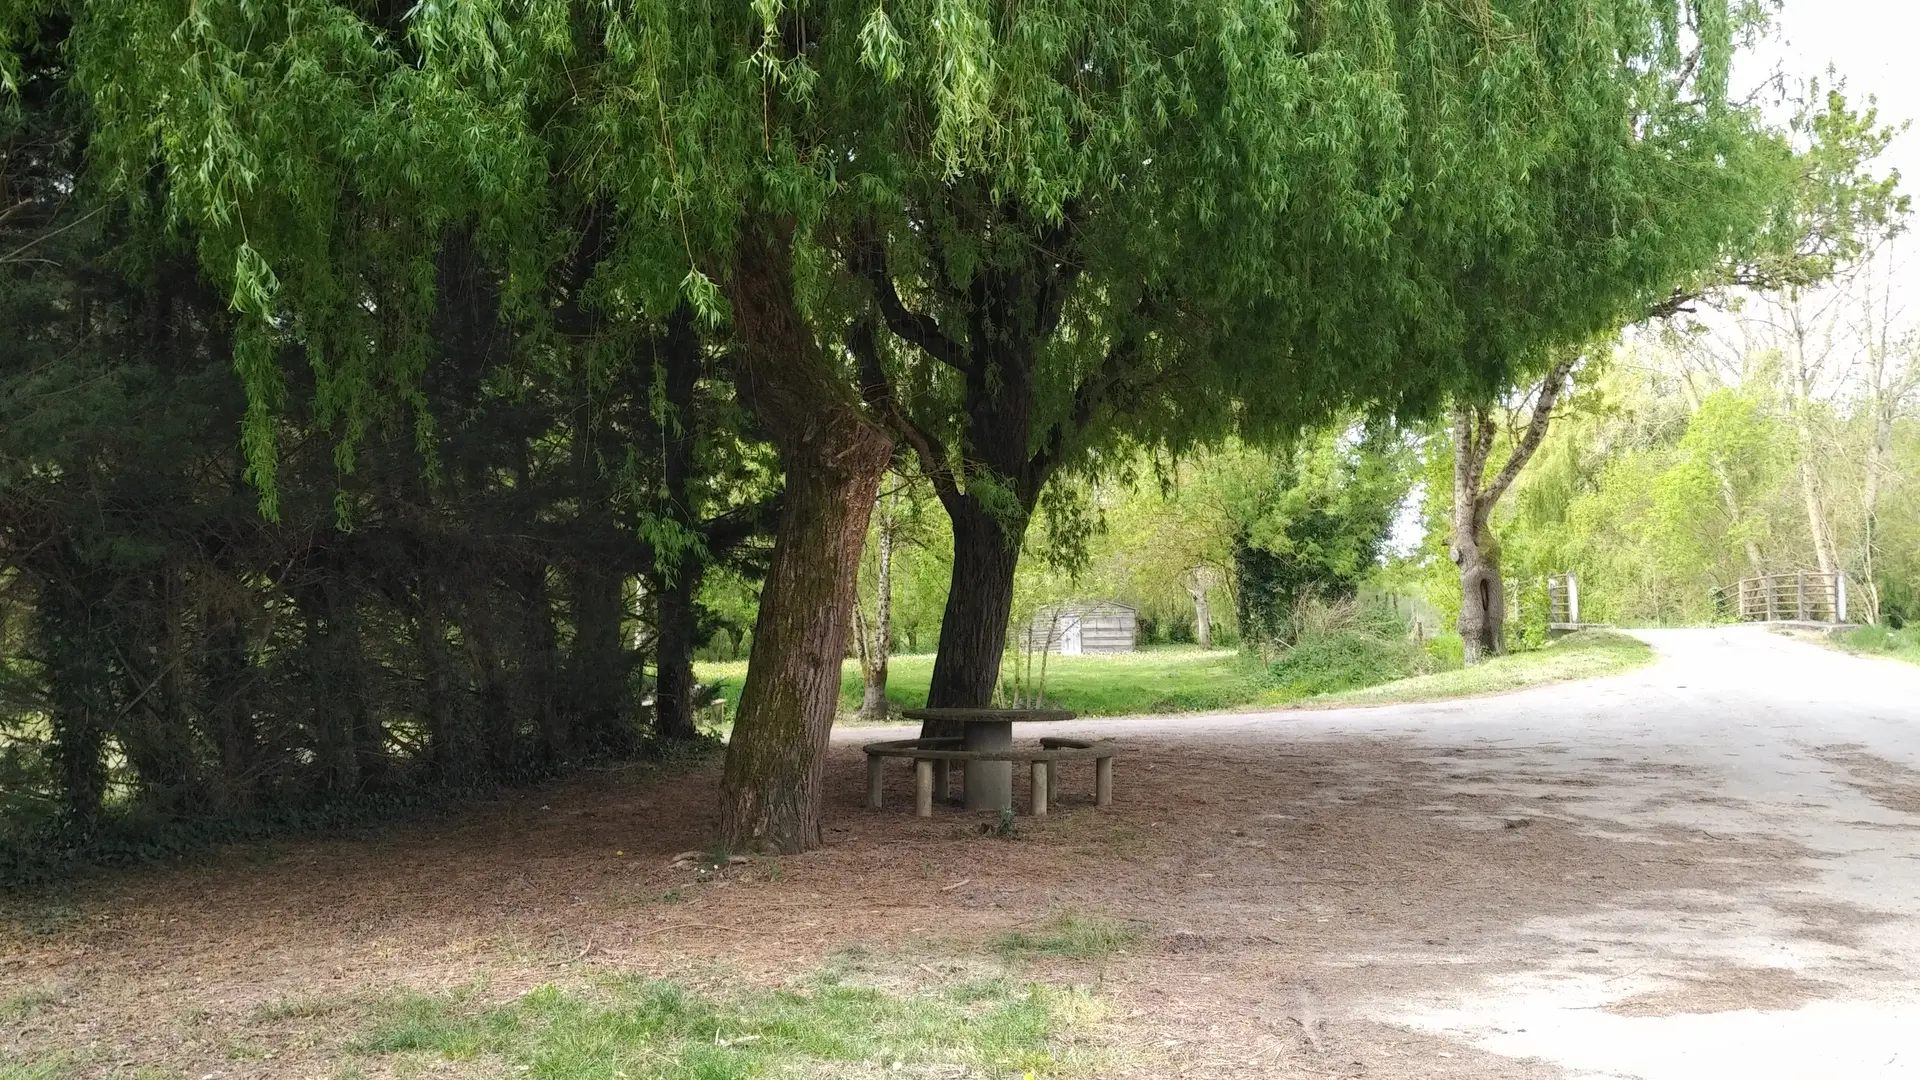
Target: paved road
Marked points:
1804	760
1780	740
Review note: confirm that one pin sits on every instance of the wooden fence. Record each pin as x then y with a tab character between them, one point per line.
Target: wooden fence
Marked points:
1795	597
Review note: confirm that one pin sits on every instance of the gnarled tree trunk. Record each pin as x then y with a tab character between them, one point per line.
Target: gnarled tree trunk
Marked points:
833	455
1483	605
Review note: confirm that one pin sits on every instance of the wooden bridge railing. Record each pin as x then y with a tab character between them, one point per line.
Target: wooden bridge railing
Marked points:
1563	602
1798	597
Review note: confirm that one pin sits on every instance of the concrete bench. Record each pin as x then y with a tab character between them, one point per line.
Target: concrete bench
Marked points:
933	758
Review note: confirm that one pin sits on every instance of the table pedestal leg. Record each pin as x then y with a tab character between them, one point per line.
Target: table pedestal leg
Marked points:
989	783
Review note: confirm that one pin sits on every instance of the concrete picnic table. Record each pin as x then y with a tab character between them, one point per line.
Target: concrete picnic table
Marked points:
989	784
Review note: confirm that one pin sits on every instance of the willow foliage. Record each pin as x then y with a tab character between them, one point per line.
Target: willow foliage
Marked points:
1355	185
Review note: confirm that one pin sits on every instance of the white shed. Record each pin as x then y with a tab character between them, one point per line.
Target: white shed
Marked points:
1082	627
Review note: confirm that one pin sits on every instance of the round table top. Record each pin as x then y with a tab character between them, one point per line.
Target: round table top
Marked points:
987	715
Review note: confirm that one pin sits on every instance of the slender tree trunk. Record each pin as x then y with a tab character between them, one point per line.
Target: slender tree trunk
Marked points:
1731	502
1198	586
678	585
1802	378
1812	499
877	647
541	666
833	455
1879	446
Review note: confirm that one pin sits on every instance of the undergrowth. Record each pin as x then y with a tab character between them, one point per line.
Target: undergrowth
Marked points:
1589	654
38	847
1903	644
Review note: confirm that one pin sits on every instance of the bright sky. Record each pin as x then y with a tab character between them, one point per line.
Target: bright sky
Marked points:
1869	42
1875	46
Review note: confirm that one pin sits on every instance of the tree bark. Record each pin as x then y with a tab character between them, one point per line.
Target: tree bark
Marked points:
1012	310
833	455
1199	583
1475	550
1879	447
1812	497
973	628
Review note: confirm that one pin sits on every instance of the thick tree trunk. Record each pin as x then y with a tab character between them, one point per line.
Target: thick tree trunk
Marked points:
597	663
833	455
1483	609
1483	602
973	630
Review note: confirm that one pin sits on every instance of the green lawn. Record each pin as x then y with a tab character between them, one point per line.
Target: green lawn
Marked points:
1588	654
1188	679
1172	679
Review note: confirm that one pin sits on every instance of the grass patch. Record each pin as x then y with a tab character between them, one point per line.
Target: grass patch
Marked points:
43	1069
24	1003
274	1012
1076	937
1588	654
641	1028
1902	644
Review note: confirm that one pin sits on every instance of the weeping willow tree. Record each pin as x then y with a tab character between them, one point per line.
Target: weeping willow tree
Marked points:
1007	233
1367	206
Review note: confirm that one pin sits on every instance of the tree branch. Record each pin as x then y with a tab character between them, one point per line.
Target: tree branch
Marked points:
1523	451
878	393
868	259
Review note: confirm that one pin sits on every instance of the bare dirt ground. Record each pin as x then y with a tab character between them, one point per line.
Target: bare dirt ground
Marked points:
1710	867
